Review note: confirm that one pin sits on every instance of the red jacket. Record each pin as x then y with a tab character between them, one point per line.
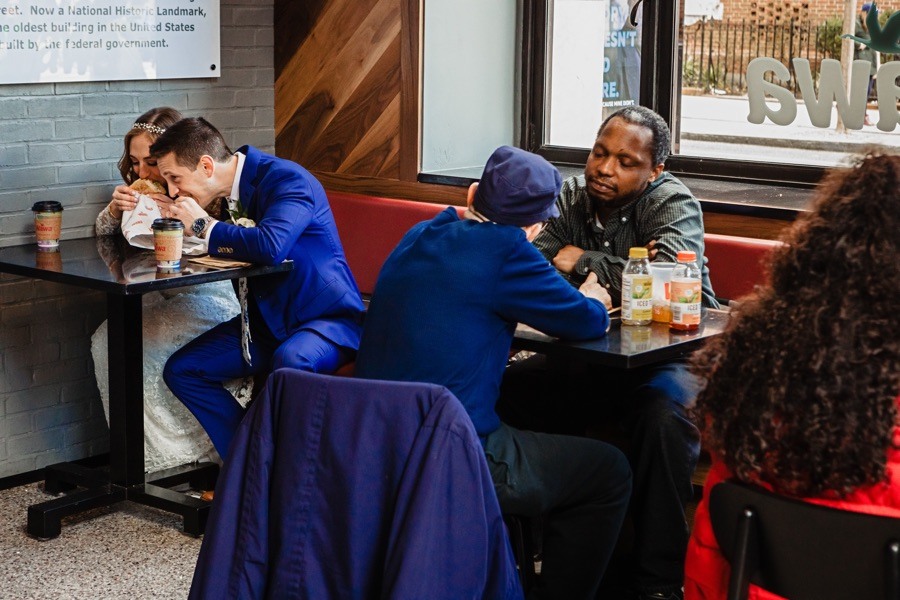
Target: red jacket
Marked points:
707	570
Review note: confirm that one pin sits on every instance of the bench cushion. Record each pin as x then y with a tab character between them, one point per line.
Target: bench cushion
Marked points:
736	264
370	228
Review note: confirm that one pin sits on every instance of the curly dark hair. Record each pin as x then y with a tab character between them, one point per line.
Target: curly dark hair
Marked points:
801	390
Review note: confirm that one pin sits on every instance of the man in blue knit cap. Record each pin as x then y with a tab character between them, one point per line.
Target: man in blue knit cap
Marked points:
444	311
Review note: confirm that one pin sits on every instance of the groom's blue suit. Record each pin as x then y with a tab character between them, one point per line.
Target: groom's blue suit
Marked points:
309	318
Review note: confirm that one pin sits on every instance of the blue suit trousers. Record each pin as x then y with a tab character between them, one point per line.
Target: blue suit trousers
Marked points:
196	372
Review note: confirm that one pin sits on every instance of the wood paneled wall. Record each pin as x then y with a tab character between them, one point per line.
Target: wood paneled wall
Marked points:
337	85
347	91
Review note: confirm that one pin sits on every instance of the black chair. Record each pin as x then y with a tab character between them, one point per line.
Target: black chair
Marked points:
803	551
520	538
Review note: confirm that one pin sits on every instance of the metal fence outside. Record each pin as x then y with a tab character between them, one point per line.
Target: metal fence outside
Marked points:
716	53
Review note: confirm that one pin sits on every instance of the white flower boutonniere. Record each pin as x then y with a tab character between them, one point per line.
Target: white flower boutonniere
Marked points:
238	214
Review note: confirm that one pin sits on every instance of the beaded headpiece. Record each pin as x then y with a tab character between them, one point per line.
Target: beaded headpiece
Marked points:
155	129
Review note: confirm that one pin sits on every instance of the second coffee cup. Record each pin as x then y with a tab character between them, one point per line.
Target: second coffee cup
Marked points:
168	237
47	223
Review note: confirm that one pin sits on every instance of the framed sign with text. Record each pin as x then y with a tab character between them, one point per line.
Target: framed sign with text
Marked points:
107	40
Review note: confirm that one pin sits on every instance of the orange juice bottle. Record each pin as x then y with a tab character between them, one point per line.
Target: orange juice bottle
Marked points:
686	293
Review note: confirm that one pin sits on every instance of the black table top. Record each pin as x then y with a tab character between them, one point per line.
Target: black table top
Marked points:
109	264
626	346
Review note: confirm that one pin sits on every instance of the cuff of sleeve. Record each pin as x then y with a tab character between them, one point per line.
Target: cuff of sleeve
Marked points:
583	265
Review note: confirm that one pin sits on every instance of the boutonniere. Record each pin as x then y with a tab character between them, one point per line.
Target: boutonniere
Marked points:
238	214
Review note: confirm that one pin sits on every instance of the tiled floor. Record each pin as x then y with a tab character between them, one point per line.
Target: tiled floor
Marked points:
134	552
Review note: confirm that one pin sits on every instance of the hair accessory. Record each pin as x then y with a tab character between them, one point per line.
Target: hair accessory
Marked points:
156	129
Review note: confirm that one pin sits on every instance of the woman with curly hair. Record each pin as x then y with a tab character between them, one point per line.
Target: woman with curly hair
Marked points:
800	395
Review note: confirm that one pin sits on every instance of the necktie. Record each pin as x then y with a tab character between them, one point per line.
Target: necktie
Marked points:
245	319
233	209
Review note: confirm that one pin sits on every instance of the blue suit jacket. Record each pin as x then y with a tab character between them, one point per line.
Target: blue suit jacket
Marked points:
350	488
446	306
293	221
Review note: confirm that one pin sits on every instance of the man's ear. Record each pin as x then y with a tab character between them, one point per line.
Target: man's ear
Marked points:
207	165
656	172
532	231
470	195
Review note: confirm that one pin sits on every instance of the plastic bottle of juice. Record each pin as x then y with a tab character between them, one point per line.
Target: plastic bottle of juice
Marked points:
637	289
686	292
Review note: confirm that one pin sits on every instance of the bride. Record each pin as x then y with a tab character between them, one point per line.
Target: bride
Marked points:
172	436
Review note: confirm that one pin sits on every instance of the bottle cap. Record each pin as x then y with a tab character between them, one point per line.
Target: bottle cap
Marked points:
637	252
687	256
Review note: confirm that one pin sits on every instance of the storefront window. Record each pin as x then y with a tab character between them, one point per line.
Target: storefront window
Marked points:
757	91
595	68
766	84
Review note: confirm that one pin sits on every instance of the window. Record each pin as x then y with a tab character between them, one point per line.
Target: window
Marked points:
594	54
720	72
469	84
593	57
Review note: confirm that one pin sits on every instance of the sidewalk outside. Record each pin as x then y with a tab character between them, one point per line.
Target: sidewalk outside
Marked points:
717	126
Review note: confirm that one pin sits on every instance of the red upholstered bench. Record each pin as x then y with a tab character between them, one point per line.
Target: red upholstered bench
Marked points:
736	264
371	227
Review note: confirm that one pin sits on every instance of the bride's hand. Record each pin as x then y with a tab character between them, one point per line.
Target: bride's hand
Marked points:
123	198
162	201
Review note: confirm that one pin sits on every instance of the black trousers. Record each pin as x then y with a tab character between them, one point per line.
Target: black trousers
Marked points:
581	489
645	410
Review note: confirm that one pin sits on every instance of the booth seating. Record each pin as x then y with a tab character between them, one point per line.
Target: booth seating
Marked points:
370	228
736	264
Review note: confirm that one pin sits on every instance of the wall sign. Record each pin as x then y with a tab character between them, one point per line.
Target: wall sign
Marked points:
107	40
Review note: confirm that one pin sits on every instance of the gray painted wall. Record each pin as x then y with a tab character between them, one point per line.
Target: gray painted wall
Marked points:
61	142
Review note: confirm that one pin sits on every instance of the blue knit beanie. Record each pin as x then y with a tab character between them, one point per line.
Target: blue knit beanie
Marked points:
517	188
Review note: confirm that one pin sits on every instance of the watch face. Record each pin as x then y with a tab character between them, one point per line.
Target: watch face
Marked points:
198	225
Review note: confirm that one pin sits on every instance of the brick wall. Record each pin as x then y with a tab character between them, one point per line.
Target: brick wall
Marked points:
61	142
774	11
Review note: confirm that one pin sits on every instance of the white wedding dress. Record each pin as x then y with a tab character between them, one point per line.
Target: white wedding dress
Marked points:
172	436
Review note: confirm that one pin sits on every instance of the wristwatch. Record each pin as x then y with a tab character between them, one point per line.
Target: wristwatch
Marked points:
198	227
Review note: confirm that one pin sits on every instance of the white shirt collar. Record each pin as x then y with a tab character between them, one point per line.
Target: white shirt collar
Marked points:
236	186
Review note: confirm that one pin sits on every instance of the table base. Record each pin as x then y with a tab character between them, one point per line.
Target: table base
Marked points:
86	489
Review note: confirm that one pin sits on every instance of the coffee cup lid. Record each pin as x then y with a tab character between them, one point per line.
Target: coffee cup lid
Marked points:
47	206
167	224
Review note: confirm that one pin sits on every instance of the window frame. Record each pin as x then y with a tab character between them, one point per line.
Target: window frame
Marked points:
660	91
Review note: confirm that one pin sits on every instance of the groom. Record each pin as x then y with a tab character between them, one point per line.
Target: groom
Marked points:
308	318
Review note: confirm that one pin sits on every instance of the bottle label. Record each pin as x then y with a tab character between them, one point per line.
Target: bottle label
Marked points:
686	296
637	297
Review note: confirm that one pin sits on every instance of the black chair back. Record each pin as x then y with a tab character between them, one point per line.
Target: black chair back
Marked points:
803	551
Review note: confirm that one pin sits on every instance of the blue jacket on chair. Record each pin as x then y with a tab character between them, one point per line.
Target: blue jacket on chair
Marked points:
352	488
